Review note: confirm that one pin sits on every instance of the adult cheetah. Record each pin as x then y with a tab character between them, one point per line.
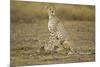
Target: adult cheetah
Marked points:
58	35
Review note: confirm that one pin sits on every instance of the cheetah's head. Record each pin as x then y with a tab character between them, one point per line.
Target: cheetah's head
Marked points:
51	10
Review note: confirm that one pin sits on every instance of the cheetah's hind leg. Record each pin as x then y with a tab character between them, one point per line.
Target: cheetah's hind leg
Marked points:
68	49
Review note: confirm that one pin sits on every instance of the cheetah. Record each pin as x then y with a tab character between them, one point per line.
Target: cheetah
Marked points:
58	34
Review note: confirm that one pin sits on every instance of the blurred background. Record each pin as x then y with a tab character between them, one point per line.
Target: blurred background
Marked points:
30	10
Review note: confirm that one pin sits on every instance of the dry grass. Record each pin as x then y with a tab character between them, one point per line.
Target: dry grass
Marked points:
29	25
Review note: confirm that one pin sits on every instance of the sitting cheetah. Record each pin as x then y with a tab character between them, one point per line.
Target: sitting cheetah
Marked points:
58	36
58	39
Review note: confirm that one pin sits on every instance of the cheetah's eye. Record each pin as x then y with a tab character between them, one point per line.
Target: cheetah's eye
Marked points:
51	11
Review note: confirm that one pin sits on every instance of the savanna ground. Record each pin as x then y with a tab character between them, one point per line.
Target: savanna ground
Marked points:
29	26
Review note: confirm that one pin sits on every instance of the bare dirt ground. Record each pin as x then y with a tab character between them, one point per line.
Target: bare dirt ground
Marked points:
25	43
